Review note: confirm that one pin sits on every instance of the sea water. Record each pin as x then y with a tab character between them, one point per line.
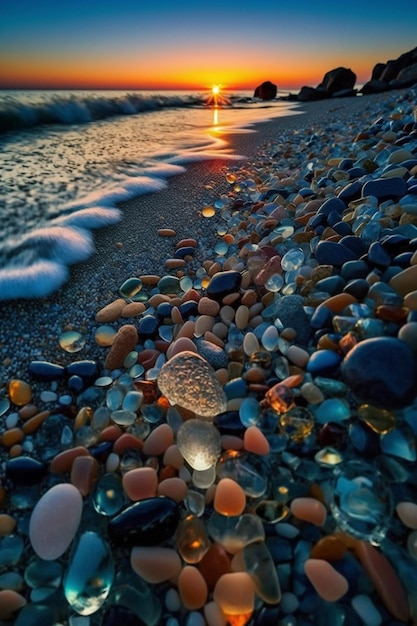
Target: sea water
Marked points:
67	160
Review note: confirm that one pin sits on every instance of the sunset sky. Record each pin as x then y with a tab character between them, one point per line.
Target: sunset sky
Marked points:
183	44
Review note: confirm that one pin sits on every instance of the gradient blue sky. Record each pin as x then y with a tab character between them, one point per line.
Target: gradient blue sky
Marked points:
182	44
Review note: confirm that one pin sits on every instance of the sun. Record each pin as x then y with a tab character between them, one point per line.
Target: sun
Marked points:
216	98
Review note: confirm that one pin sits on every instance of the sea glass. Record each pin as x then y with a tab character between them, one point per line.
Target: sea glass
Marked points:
199	443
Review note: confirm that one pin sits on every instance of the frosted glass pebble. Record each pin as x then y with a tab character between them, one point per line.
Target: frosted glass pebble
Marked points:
199	443
366	610
270	338
132	400
250	343
329	584
407	512
189	381
55	520
203	479
292	260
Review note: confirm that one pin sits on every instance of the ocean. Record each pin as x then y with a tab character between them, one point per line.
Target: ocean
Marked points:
67	159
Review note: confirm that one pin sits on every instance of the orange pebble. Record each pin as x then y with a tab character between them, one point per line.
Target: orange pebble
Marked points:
255	441
140	483
12	436
192	588
329	548
174	488
7	524
338	302
15	451
229	498
158	441
20	392
235	593
309	510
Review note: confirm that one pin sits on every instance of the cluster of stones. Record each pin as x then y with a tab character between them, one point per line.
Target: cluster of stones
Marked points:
246	452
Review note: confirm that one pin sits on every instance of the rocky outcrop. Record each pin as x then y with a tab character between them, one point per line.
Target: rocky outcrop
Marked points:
336	83
266	91
394	74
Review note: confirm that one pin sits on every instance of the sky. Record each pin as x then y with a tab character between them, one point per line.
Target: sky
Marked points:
193	44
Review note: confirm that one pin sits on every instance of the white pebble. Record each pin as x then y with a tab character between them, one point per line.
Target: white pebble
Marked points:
112	462
11	420
366	610
48	396
289	602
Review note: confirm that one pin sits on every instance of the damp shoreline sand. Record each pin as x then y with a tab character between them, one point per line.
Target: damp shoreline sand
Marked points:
30	328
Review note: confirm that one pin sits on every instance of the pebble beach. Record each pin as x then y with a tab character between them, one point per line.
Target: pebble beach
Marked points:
214	421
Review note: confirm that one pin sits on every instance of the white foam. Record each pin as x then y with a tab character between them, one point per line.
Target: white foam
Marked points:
94	217
34	281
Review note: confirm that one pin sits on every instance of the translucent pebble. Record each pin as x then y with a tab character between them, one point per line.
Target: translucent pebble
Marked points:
103	381
259	564
328	457
284	231
250	343
221	248
20	392
123	417
131	359
366	610
114	397
4	405
195	502
130	287
188	380
270	338
249	411
297	424
90	574
203	479
132	400
192	541
72	341
136	370
246	469
200	443
362	501
108	497
274	283
292	260
235	532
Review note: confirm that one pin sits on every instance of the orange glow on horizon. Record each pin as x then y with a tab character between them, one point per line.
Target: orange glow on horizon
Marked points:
106	73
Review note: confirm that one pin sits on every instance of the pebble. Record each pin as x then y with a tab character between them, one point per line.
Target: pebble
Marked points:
298	282
55	521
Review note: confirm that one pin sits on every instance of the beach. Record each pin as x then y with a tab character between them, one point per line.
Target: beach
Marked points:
305	344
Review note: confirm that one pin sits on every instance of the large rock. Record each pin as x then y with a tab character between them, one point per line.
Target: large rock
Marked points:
394	74
266	91
336	83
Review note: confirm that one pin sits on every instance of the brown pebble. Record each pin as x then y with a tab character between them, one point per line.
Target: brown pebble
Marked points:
206	306
174	263
84	473
406	281
174	488
166	232
10	602
249	298
186	243
181	345
148	357
7	524
15	451
28	411
158	440
62	462
133	309
111	312
33	423
140	483
127	441
124	341
192	588
329	548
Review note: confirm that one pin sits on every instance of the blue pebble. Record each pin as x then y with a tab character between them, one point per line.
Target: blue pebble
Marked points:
332	253
324	362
